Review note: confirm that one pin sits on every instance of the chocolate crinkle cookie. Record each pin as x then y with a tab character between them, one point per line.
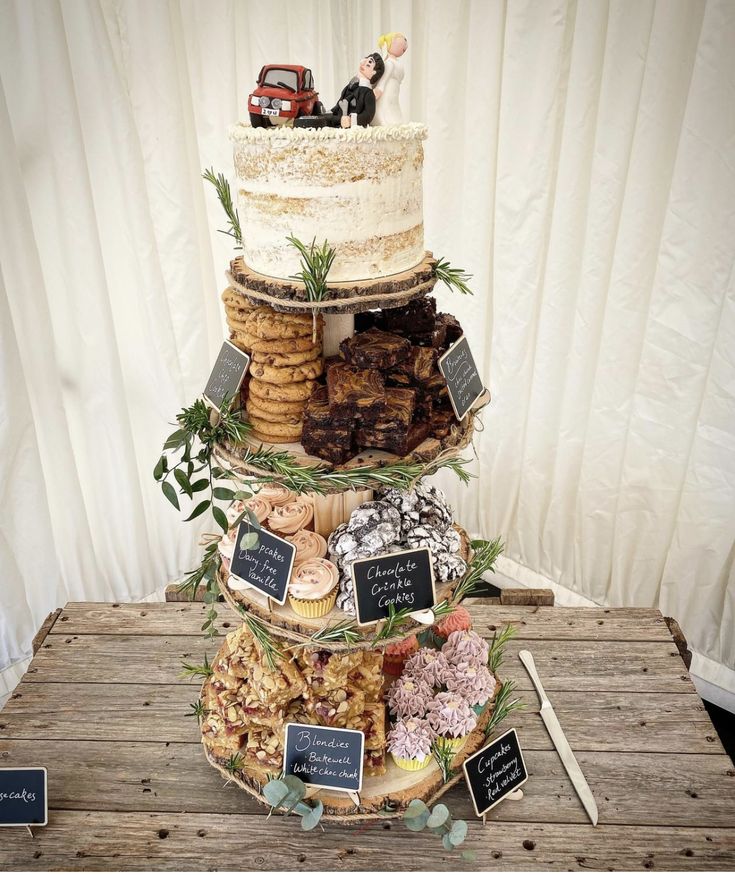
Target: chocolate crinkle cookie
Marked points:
374	525
423	505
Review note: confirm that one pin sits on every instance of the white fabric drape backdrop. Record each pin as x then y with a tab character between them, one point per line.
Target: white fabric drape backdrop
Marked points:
580	165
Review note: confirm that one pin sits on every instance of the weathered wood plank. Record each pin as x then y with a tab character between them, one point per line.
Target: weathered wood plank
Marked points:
563	665
659	722
692	790
91	841
46	627
185	618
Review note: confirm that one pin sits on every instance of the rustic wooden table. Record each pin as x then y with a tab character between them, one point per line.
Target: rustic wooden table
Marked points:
103	706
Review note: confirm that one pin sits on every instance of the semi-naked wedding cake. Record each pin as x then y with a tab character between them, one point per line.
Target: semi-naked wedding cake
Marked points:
360	189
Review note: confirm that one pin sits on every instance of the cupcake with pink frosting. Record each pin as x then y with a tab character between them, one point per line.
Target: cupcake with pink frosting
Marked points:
312	590
466	646
409	696
409	743
309	545
474	683
428	664
396	654
458	621
289	518
452	719
276	493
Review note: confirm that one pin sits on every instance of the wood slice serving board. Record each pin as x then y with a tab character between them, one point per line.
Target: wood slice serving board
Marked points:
285	622
383	796
343	297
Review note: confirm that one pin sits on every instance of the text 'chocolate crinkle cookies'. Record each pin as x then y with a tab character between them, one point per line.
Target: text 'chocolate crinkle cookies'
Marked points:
286	350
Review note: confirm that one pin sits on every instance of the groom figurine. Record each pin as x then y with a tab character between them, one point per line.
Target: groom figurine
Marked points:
357	96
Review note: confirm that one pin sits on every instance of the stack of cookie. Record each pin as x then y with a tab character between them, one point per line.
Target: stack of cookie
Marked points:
286	352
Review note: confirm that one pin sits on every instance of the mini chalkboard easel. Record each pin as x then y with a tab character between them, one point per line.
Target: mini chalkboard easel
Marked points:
227	375
496	772
24	797
265	566
403	580
464	382
325	758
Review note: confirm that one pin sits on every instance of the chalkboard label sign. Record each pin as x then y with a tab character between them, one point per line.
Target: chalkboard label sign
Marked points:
324	756
23	797
267	566
404	580
495	771
227	374
463	379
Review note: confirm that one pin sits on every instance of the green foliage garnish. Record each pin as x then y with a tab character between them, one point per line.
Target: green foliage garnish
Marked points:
497	647
503	706
316	262
287	793
235	763
268	646
485	554
438	820
392	622
343	632
197	710
444	755
224	193
454	277
191	670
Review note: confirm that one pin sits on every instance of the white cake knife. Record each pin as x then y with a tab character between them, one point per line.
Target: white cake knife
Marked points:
560	740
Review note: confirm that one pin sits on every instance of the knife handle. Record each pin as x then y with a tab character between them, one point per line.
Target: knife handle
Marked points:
526	658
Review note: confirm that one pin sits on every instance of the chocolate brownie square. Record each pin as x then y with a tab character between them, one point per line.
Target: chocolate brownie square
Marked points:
452	326
354	389
424	406
418	315
318	412
375	349
368	319
436	339
397	413
442	420
419	366
333	444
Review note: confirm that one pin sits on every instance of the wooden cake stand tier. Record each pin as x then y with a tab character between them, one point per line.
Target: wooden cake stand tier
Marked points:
428	453
284	622
381	797
288	296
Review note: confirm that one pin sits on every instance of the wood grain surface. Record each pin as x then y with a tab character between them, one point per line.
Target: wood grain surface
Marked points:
104	707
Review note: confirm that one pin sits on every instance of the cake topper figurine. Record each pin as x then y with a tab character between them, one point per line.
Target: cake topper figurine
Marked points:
356	104
387	90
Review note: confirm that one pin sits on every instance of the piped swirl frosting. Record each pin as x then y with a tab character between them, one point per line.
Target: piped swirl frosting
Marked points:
313	579
309	545
411	738
287	519
449	714
276	494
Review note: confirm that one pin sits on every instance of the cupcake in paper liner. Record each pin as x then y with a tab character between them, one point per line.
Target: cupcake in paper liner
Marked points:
313	588
451	717
395	655
466	646
458	621
309	545
429	665
409	697
474	683
276	494
409	743
287	519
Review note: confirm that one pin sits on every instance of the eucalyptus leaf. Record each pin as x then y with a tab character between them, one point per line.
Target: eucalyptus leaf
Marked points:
302	809
253	519
210	598
275	792
469	856
170	493
160	468
310	820
200	485
198	510
458	832
295	785
439	816
223	493
416	815
447	842
183	481
249	540
220	518
242	495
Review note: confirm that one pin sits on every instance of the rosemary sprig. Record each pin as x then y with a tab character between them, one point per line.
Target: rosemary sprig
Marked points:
443	754
263	637
235	763
485	554
222	187
197	710
316	262
392	622
343	632
497	647
454	277
190	670
503	706
283	468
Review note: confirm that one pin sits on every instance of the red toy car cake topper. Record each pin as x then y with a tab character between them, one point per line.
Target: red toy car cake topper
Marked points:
284	92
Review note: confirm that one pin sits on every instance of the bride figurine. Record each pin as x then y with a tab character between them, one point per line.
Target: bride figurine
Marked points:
387	105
